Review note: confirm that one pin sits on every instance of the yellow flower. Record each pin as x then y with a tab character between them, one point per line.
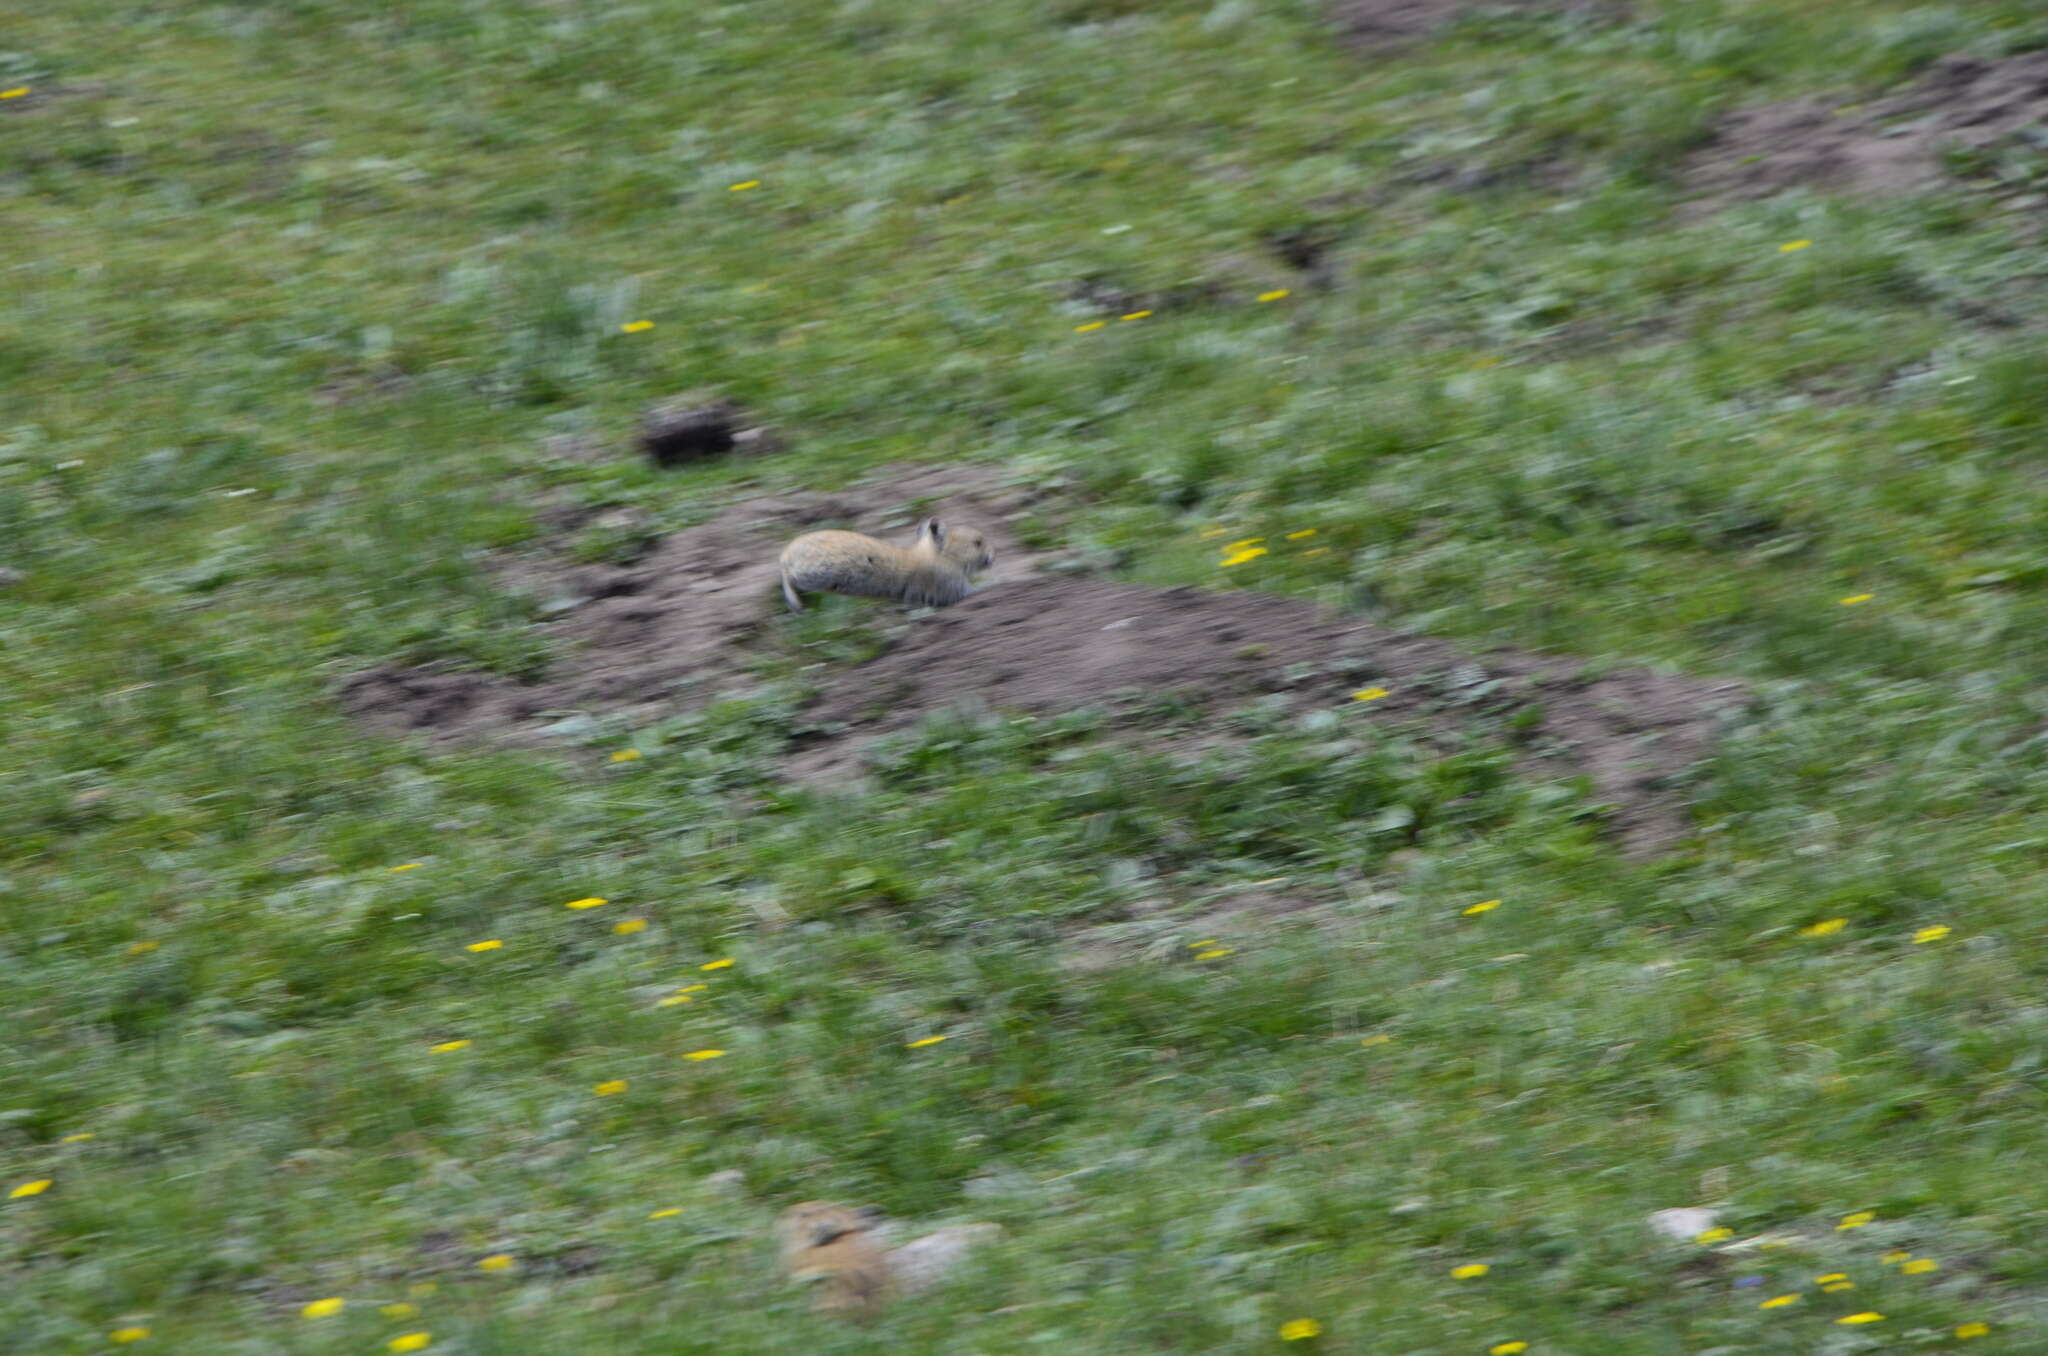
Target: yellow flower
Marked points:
632	327
1507	1349
142	948
1273	295
590	903
408	866
744	185
412	1341
675	1000
127	1334
626	756
1295	1329
716	965
1090	326
1894	1257
35	1188
1370	694
1713	1235
1791	245
17	92
1241	545
324	1308
1857	1220
1933	934
1865	1317
1213	953
1826	927
1483	906
610	1086
1856	598
669	1213
1469	1271
1778	1301
693	988
626	927
447	1047
928	1040
1839	1286
1974	1330
704	1054
1240	557
399	1310
497	1261
1135	315
492	945
1375	1040
1830	1278
79	1138
1920	1266
1197	946
1302	535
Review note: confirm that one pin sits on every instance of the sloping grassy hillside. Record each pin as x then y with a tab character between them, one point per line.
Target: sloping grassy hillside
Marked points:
296	291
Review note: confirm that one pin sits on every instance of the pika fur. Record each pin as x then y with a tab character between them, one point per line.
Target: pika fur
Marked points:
835	1248
932	571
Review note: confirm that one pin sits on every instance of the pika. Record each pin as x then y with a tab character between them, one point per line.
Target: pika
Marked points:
932	571
835	1248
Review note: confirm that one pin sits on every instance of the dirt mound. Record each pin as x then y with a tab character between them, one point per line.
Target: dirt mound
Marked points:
1896	144
673	628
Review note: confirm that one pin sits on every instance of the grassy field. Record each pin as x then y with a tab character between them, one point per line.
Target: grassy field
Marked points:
294	292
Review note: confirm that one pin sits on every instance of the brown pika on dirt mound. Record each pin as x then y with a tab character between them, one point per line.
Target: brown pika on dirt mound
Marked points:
1895	144
673	629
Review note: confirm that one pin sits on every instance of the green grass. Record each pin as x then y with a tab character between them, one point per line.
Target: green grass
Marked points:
293	292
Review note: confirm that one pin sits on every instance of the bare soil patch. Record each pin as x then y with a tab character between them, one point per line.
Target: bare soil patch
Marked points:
1891	145
673	629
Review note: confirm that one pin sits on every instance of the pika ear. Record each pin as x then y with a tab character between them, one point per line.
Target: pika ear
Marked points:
934	529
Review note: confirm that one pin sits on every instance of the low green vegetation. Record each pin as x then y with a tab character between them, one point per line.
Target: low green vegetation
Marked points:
295	292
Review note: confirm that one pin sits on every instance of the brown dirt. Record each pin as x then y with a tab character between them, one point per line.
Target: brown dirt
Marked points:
1891	145
673	628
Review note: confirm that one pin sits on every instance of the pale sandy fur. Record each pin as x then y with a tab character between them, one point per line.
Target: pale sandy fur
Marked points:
835	1249
935	570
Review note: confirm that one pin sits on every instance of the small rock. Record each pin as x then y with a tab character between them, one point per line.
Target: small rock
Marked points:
9	578
926	1261
1683	1224
730	1182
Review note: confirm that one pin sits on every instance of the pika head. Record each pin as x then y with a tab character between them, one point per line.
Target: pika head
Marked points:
814	1224
966	545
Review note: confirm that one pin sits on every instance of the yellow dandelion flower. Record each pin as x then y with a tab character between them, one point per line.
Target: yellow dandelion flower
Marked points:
1826	927
1375	1040
716	965
491	945
1135	315
1857	1220
1205	942
1895	1256
17	92
35	1188
1778	1301
1213	953
407	866
693	988
411	1341
1241	545
1211	533
1856	598
1713	1236
1469	1271
590	903
633	327
447	1047
1830	1278
125	1335
1865	1317
1507	1349
675	1000
668	1213
1303	535
1483	906
1295	1329
79	1138
1920	1266
744	185
1933	934
1274	295
142	948
609	1087
497	1261
1090	327
1370	694
1968	1330
928	1040
626	756
1240	557
701	1055
1791	245
399	1310
324	1308
626	927
1839	1286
